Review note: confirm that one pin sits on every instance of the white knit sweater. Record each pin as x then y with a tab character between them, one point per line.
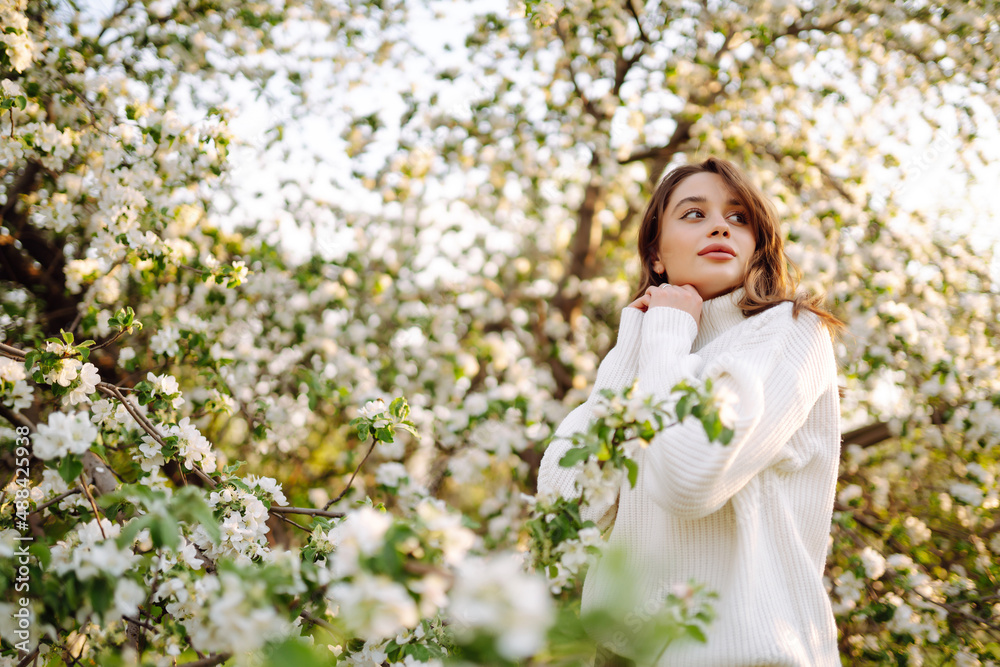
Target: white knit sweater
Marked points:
751	519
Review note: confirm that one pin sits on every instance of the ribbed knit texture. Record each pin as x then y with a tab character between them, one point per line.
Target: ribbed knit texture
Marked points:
751	519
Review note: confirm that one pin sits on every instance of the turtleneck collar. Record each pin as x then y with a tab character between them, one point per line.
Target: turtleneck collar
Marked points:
718	315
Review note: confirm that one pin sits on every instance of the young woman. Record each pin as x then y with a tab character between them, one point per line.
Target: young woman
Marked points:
750	520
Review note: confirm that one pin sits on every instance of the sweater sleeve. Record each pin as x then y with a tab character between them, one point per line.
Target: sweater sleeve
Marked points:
616	371
777	370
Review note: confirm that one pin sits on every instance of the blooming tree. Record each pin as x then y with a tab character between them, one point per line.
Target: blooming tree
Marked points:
208	450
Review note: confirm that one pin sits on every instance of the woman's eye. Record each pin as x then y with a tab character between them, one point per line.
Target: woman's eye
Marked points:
742	218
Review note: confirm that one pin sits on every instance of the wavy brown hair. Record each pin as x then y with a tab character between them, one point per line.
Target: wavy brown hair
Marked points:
770	278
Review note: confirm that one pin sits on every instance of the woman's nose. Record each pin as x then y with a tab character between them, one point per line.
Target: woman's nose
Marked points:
721	227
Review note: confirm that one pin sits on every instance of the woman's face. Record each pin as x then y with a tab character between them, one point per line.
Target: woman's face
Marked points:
705	237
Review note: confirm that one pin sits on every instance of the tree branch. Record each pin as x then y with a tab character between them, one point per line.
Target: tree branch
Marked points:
662	154
957	611
306	510
16	418
588	105
351	481
210	661
53	501
638	23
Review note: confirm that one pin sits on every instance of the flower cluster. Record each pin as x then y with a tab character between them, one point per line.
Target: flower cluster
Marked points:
64	434
15	392
226	612
495	597
242	514
606	453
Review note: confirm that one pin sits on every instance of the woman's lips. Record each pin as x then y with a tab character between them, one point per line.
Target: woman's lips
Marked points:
717	249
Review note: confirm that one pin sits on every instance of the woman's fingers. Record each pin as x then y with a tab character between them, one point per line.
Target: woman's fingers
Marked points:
642	303
682	297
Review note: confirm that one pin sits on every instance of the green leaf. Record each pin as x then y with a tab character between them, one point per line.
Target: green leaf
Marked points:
165	532
409	429
70	468
713	426
573	456
42	553
232	467
101	595
396	407
418	651
192	508
131	530
682	407
633	472
695	632
604	452
239	484
293	652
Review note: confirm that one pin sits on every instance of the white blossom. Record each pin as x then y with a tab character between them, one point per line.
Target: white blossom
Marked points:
360	533
65	372
11	371
495	596
89	379
87	551
600	485
726	401
445	530
268	485
848	588
374	606
128	596
228	621
165	341
10	88
391	474
193	447
917	530
874	563
63	434
149	454
79	271
19	49
849	493
967	493
372	409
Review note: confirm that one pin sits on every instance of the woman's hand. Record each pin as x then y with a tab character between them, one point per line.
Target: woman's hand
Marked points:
681	297
642	303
